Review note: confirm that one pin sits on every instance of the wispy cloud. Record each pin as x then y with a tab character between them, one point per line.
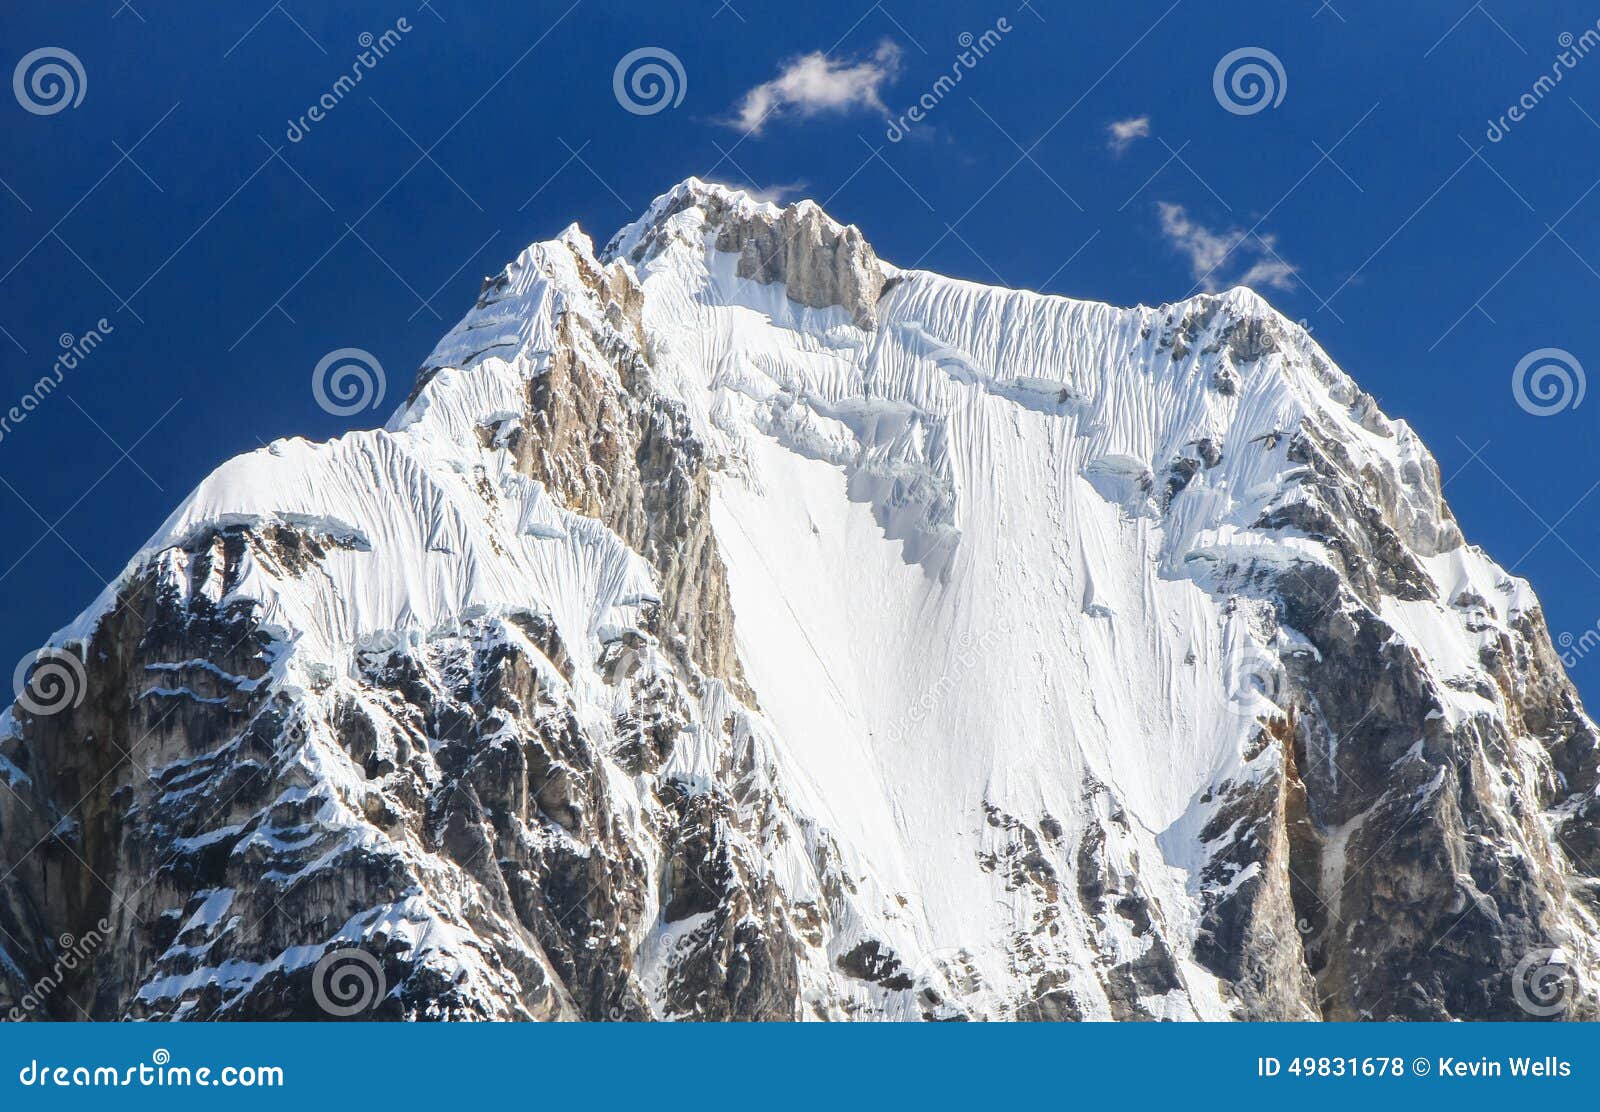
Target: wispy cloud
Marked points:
1211	252
1122	134
777	193
813	84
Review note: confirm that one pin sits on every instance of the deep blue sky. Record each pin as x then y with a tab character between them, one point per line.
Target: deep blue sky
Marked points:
1427	272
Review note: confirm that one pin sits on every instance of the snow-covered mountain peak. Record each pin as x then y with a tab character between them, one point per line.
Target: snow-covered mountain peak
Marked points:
819	261
731	624
711	200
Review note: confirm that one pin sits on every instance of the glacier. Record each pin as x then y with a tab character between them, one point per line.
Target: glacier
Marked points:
731	624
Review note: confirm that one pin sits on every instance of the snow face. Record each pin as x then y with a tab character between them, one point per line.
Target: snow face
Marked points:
981	556
984	549
425	529
1036	650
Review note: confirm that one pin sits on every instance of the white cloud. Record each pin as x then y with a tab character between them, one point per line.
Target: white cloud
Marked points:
777	193
1210	251
1270	271
814	83
1125	133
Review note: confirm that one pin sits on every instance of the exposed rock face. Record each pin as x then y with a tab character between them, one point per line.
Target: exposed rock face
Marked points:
630	459
713	635
1424	849
820	264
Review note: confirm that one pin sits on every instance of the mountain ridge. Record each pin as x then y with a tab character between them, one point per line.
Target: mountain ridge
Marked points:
733	625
